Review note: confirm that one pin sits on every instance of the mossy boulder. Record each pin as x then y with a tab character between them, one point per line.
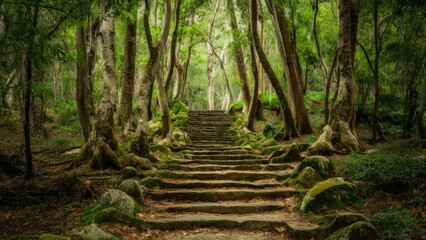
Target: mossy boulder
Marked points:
151	182
180	120
133	160
271	149
129	172
356	231
52	237
330	223
321	164
331	193
93	232
114	206
181	136
291	155
269	142
306	179
133	189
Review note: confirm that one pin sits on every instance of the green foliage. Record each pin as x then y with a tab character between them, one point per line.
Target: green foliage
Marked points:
68	141
387	169
236	106
270	101
399	223
67	111
270	129
178	107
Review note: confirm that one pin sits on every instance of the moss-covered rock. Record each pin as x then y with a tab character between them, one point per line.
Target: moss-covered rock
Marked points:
181	136
133	160
269	142
154	128
356	231
188	156
52	237
291	155
271	149
321	164
93	232
151	182
330	223
331	193
133	189
129	172
306	179
114	206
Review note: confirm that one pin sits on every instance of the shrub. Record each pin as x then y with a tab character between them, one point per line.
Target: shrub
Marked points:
391	169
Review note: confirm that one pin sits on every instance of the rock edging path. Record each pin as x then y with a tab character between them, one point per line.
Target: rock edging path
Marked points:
229	192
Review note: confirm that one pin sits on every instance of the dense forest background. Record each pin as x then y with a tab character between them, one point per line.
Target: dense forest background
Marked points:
100	75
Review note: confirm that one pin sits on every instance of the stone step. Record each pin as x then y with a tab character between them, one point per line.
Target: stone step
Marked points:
231	175
258	222
217	195
228	157
223	141
251	167
190	184
210	146
224	162
215	152
219	234
210	137
224	208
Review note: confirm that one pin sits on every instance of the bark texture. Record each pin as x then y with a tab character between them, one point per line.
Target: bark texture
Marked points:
139	143
128	79
340	135
239	58
290	129
181	67
290	64
102	144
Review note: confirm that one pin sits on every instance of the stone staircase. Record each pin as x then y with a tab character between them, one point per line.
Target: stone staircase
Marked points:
229	192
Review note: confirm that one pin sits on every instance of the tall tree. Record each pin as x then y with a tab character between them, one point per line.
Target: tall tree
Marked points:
84	86
102	144
290	64
254	99
289	129
239	57
172	58
341	131
2	22
128	79
27	90
139	143
181	67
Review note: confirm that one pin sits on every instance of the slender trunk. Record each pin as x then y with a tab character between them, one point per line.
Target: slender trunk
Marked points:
290	129
254	100
210	77
328	88
139	143
27	93
128	79
260	28
182	68
239	58
292	73
164	107
172	58
376	69
84	91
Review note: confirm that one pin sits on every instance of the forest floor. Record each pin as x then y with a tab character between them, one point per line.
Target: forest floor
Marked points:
29	208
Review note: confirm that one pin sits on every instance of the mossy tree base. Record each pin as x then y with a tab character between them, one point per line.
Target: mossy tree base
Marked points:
337	138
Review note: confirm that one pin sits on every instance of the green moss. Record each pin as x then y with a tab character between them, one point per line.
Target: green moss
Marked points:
129	172
321	164
52	237
247	147
331	193
151	182
160	148
291	155
234	107
133	160
306	179
179	107
188	156
330	223
271	149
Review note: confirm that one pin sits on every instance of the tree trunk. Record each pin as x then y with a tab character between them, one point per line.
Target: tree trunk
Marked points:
341	131
210	77
139	143
164	107
255	97
102	144
292	73
128	79
260	29
84	85
27	93
329	73
376	69
239	58
181	67
290	129
172	59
